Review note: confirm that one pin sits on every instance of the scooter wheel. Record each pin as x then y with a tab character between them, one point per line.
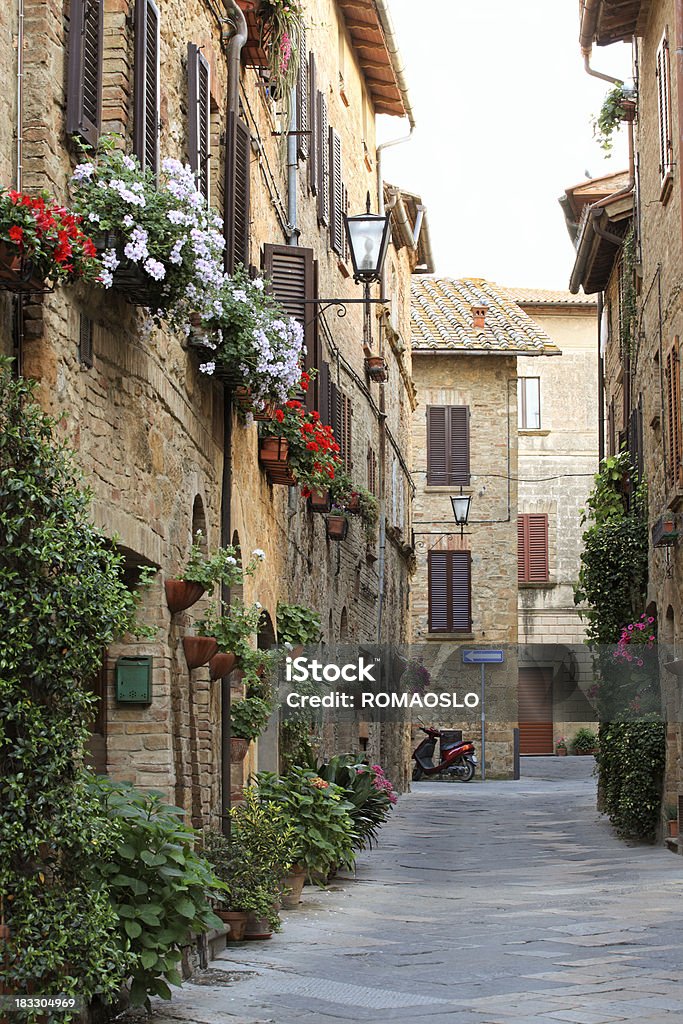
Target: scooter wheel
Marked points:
417	773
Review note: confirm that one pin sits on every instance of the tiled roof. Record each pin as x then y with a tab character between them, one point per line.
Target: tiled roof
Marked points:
441	317
548	297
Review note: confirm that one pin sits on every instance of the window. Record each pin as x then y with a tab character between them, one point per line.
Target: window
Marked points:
674	447
448	445
532	548
84	98
199	116
529	403
236	194
147	84
449	591
663	76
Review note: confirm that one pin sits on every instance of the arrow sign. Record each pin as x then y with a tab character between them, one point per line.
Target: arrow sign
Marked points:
483	657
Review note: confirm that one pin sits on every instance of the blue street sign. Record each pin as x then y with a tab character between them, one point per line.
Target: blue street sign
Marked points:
483	657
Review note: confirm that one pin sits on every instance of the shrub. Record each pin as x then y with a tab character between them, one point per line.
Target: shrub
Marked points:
159	886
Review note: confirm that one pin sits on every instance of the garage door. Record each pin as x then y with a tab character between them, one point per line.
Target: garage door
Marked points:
535	711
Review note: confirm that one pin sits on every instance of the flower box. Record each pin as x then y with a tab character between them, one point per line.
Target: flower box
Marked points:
16	274
273	454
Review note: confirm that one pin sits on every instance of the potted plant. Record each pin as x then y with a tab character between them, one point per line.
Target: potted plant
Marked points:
585	742
311	452
204	572
337	523
561	747
671	815
42	244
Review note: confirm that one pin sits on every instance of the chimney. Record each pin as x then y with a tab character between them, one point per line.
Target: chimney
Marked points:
479	315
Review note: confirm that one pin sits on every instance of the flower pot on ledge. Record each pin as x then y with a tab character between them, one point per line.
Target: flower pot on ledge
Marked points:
336	527
199	650
180	595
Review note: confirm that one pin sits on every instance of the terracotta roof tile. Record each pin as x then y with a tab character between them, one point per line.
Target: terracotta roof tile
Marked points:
441	316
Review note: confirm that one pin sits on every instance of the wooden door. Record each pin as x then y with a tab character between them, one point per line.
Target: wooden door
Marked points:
535	711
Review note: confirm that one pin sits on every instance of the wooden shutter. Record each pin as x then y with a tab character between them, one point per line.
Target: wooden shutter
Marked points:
199	116
449	591
336	194
84	94
237	171
673	402
448	445
291	274
313	158
302	146
532	548
324	162
663	76
146	84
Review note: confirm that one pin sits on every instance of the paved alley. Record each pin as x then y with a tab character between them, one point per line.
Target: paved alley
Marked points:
496	903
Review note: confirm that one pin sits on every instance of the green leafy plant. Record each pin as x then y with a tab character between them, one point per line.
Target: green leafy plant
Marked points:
224	565
160	888
611	115
298	624
323	835
249	717
62	600
585	741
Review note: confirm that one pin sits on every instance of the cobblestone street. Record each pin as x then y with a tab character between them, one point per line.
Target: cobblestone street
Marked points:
501	903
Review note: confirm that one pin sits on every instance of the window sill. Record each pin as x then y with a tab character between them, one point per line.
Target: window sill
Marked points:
450	636
448	489
524	432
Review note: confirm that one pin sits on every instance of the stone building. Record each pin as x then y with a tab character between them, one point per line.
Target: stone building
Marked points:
467	338
160	443
642	311
557	459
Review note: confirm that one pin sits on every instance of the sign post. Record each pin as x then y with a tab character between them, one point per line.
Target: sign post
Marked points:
483	657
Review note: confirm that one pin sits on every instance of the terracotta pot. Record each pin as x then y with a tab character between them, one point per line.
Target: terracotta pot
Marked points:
199	650
222	664
561	751
319	501
672	825
336	527
238	749
293	887
181	595
257	928
237	919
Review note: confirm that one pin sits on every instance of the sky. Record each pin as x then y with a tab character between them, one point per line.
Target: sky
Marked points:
504	114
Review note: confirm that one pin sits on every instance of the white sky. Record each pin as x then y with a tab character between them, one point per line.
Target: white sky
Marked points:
503	110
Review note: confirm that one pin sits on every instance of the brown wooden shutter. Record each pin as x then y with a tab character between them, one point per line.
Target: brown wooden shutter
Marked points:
291	274
84	94
324	162
237	172
313	158
532	549
146	84
673	401
663	76
302	145
336	194
199	116
448	445
449	591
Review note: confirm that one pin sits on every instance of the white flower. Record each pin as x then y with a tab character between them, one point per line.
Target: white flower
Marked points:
258	553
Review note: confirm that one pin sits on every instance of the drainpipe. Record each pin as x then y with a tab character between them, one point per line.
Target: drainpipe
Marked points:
237	41
292	175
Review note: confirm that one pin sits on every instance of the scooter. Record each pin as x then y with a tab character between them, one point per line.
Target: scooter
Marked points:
457	757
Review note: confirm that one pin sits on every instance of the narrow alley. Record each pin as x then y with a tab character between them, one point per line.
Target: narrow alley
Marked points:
503	903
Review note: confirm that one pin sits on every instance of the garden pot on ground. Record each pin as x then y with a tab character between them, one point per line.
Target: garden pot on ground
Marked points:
257	928
336	527
237	919
319	501
222	664
181	595
199	650
293	887
238	749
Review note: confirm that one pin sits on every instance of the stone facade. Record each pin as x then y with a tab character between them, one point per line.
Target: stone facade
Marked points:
148	427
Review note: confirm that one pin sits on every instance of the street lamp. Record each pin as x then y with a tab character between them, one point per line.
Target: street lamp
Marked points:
461	509
368	235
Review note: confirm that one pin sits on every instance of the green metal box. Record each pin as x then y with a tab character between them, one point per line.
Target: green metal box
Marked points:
134	680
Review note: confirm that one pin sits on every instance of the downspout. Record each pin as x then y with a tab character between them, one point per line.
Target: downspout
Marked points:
237	41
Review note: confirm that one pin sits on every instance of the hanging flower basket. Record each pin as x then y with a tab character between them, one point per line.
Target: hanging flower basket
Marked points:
199	650
222	664
336	527
181	595
16	274
320	501
273	454
376	369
